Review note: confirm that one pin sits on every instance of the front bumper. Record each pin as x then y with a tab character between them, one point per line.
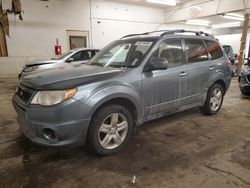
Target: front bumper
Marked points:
63	120
244	83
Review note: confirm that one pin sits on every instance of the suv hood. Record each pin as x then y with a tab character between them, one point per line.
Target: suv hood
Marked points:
66	77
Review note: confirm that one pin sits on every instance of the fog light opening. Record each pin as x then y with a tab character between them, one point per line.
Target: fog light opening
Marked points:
50	134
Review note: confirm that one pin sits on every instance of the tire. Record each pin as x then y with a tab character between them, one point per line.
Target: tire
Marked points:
110	130
211	105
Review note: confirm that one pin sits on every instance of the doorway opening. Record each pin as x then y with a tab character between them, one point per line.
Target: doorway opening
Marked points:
77	39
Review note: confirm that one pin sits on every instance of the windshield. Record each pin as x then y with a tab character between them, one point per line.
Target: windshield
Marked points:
63	55
121	53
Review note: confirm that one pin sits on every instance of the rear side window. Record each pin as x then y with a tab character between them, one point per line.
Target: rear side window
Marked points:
196	51
214	49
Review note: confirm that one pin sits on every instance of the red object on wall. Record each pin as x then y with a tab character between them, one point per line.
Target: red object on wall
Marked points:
58	48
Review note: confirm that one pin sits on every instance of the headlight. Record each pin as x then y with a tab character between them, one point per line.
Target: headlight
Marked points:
30	69
48	98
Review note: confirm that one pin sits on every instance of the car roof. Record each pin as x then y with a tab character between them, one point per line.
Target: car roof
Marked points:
80	49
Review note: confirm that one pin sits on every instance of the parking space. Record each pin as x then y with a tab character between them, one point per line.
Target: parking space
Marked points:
187	150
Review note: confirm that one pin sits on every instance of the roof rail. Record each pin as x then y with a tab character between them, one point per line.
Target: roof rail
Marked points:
197	33
147	33
131	35
171	32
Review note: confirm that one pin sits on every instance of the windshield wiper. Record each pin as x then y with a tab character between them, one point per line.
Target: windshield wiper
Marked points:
96	64
121	66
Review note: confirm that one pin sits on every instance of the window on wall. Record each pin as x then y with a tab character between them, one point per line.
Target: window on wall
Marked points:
214	49
170	50
196	51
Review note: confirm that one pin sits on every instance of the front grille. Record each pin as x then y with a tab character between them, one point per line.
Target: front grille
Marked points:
24	94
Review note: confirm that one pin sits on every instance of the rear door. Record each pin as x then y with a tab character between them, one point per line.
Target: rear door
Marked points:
198	68
217	61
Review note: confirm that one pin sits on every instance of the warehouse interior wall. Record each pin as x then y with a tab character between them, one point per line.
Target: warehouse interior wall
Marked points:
34	38
42	23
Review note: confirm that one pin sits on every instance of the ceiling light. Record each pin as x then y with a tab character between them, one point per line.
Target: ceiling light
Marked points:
198	22
233	17
225	25
163	2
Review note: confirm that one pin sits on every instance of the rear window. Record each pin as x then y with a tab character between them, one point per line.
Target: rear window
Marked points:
196	51
214	49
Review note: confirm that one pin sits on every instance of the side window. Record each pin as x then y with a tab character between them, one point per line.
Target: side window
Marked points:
76	56
214	49
82	55
170	50
93	53
196	51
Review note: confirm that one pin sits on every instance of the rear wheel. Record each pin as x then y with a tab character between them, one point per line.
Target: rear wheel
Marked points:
110	129
214	100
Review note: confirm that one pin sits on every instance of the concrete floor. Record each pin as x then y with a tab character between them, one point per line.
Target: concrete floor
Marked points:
187	150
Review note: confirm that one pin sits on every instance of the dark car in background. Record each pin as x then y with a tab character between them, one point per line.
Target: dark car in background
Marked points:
74	56
232	57
230	53
244	78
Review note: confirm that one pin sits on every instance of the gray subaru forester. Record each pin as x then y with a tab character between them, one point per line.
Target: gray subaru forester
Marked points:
133	80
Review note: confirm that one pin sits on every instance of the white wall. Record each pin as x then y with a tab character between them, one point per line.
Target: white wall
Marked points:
35	36
43	23
113	20
106	21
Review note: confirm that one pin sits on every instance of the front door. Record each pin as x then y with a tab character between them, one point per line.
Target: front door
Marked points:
165	90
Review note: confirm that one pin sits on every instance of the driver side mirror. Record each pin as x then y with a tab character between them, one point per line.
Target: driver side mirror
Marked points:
156	63
69	60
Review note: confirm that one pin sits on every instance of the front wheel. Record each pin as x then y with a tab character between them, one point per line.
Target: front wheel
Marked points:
214	100
110	129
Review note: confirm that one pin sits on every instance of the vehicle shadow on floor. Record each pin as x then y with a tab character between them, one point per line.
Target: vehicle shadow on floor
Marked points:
150	144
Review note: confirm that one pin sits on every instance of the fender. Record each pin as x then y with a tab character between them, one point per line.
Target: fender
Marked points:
219	76
110	92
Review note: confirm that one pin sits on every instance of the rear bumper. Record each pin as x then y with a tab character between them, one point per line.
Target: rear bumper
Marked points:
66	131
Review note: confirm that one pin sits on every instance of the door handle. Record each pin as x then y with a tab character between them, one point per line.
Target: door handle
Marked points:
183	74
212	68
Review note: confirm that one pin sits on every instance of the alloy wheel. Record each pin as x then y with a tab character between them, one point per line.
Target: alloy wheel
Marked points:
216	99
113	131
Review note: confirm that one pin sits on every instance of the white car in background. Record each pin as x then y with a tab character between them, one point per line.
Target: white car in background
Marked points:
75	56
